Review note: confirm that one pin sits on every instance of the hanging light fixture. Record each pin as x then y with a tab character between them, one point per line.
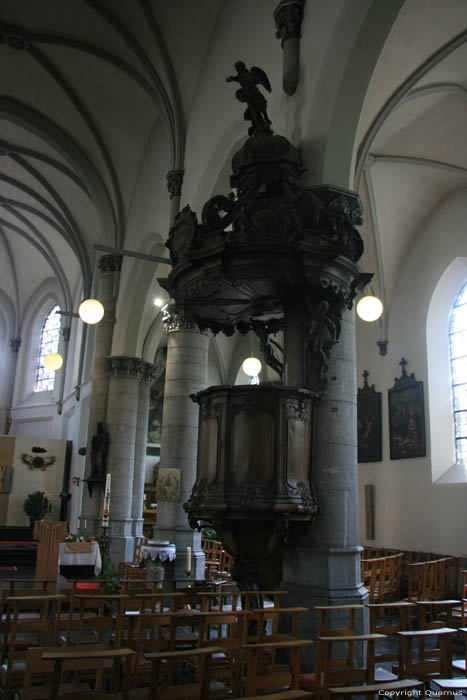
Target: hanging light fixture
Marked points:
252	367
369	308
91	311
53	360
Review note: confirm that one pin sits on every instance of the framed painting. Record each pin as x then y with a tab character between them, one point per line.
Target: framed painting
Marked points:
406	417
369	423
156	399
168	485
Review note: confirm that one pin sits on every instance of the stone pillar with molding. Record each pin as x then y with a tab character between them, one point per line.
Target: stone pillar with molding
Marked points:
146	379
322	565
174	186
288	17
109	266
186	374
125	377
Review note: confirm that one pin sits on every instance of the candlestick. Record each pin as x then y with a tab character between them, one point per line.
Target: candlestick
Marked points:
106	509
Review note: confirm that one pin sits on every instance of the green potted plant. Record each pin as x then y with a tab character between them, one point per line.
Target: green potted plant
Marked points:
37	505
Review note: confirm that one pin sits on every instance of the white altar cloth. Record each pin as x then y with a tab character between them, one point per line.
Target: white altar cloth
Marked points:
158	550
92	558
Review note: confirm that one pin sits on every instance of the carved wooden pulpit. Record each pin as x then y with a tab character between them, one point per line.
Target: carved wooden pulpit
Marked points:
49	536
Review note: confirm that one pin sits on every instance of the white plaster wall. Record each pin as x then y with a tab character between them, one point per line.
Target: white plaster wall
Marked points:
411	512
27	481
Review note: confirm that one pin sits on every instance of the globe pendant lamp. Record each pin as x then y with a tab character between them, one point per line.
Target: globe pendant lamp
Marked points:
369	308
53	360
91	311
252	367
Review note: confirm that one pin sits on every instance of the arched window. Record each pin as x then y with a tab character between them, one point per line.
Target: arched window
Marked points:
50	336
458	352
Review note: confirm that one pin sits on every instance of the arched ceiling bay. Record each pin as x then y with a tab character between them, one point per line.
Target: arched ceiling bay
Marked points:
412	134
82	84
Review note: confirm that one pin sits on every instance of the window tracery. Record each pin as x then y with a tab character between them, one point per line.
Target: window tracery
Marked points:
50	336
458	355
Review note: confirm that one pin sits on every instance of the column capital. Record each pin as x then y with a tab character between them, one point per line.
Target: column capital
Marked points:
176	319
110	263
131	367
288	17
174	182
15	344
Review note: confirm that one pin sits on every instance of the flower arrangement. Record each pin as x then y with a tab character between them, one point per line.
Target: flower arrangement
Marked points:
37	505
70	537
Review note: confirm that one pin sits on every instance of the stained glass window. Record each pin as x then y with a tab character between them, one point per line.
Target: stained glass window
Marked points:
458	348
50	336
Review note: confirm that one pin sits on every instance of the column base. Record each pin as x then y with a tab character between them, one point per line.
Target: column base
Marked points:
138	527
323	577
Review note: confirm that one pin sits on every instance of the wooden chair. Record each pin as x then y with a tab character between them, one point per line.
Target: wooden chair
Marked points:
261	626
163	685
36	631
95	624
224	629
261	676
344	670
449	685
333	621
143	634
36	668
398	618
420	666
120	685
126	568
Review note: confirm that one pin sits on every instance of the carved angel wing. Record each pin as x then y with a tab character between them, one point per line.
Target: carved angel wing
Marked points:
27	459
260	77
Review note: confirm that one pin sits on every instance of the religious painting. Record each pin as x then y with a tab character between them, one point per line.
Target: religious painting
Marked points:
406	417
369	423
156	398
168	485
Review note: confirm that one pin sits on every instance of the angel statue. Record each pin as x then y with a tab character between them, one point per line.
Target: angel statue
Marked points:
249	93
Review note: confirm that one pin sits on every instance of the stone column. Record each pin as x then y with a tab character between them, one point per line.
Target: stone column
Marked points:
147	378
109	266
324	567
288	17
186	373
125	374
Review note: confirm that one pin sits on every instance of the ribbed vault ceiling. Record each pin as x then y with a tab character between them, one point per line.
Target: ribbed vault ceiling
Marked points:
82	84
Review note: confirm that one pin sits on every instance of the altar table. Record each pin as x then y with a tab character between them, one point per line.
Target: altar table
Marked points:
92	558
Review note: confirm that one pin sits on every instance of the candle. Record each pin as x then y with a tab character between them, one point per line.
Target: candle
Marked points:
106	509
188	558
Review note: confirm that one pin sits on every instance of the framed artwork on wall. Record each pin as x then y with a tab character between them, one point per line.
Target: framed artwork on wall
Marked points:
156	399
406	417
369	423
168	484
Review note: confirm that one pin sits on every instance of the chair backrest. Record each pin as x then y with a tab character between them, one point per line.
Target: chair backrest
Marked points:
264	676
332	672
397	618
257	630
139	541
163	686
96	622
261	599
76	655
41	628
37	666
